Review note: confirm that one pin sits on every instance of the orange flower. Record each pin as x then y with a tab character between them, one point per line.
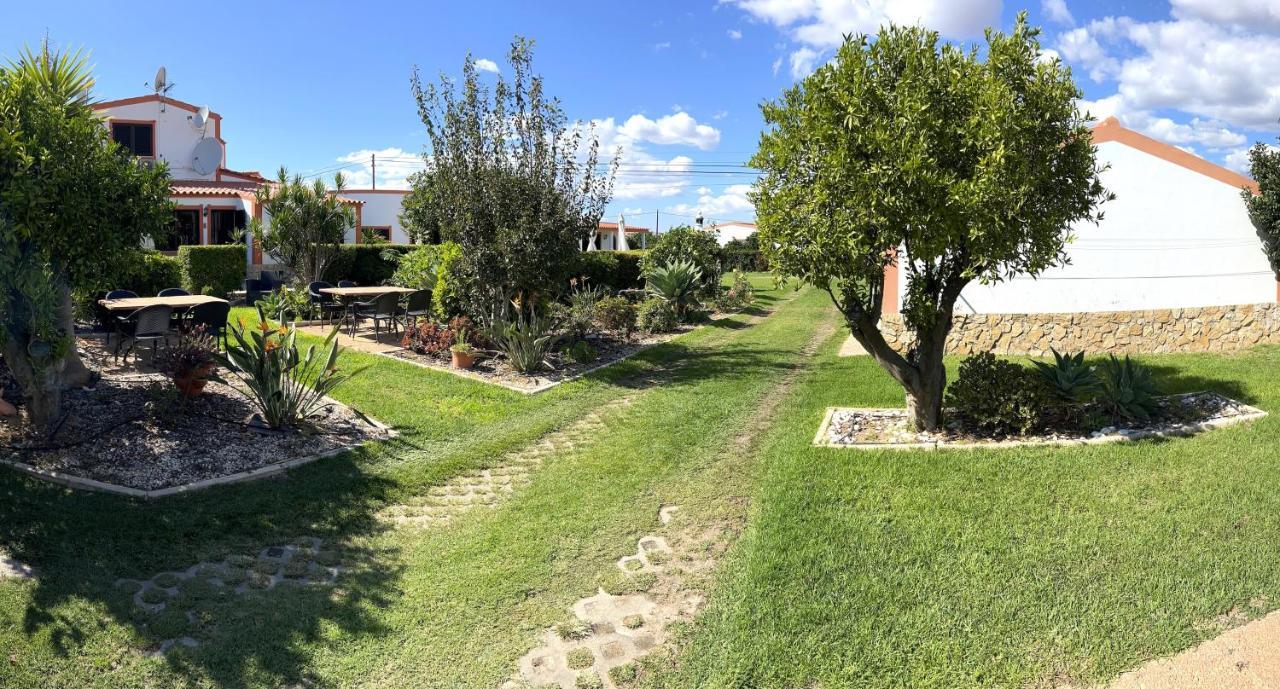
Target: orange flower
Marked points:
264	326
242	324
283	330
271	345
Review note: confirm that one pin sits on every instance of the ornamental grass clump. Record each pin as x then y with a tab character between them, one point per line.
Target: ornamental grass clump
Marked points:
286	385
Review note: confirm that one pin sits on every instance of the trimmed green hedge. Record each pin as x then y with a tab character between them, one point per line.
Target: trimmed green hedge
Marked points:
364	264
616	270
148	273
220	268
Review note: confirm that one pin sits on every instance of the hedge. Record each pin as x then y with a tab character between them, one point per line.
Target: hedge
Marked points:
148	272
365	264
616	270
219	268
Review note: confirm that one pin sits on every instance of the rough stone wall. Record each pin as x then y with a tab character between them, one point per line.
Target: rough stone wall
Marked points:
1201	329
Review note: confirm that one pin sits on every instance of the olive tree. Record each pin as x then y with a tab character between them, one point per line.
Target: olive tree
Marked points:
509	179
1264	206
956	164
308	223
73	206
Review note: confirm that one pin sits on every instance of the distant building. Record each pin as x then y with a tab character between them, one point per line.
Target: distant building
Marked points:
732	229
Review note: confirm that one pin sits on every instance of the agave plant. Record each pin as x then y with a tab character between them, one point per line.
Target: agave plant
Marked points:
287	386
676	283
1069	376
525	339
1127	389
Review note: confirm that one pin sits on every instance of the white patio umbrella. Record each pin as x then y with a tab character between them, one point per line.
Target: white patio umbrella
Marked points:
620	243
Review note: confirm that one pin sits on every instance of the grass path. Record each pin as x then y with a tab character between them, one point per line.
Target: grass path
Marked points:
448	606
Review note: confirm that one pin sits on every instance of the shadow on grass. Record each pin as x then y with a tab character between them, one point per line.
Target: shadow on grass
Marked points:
82	543
1173	380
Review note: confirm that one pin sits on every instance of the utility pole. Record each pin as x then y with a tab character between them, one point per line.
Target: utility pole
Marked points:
655	222
374	157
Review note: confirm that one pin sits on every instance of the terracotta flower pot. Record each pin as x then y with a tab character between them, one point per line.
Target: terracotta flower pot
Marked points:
192	383
463	359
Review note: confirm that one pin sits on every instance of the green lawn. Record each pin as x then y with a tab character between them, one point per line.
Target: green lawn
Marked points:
1002	568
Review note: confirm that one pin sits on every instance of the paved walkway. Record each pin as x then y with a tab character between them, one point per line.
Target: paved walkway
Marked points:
1247	657
362	342
851	348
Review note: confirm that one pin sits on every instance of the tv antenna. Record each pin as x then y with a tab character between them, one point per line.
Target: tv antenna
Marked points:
161	85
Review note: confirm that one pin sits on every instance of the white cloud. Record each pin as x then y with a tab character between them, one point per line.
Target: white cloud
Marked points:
802	62
1048	55
720	115
1082	47
1211	134
734	34
821	24
661	46
642	174
677	128
1255	14
485	65
1238	159
394	167
1056	11
730	204
777	64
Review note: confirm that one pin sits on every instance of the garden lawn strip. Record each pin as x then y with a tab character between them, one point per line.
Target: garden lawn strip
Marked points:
1013	567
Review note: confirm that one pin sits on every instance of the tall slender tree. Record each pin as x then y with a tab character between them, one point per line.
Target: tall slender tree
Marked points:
307	223
959	165
73	206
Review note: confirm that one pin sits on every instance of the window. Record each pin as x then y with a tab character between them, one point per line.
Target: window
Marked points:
379	232
137	137
184	230
226	225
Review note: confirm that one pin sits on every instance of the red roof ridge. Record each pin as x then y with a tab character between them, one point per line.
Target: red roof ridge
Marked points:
151	98
1111	130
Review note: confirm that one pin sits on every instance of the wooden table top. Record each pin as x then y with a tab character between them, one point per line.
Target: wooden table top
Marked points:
365	291
178	302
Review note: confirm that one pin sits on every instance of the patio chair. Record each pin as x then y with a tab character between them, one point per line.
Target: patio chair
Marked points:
121	294
213	316
252	291
417	305
384	307
150	323
322	303
346	283
173	292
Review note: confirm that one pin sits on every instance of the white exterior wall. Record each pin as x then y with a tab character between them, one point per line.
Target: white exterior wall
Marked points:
1172	238
176	136
729	231
381	208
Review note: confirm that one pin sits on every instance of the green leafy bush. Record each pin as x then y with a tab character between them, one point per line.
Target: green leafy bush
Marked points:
656	316
433	267
744	254
686	244
582	352
286	386
616	314
1069	376
220	267
615	270
677	284
1127	391
365	264
739	295
994	397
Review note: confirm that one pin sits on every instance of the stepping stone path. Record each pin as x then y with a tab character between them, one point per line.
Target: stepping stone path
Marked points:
12	569
171	601
609	633
489	487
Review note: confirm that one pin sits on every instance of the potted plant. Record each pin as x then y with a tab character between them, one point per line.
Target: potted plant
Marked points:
464	355
190	362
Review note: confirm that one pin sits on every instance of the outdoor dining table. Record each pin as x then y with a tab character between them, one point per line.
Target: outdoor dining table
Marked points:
177	303
349	295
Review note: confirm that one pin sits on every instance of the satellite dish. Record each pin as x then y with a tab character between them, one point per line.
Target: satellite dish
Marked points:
161	80
201	118
207	156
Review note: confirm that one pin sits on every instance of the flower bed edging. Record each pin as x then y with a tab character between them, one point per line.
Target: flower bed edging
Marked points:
822	438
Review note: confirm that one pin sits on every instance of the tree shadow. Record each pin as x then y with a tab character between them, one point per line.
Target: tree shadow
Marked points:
81	544
1172	380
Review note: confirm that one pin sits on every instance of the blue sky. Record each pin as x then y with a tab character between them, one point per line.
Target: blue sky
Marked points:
676	84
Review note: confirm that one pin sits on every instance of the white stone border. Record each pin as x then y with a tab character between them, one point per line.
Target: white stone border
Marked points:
88	484
1179	431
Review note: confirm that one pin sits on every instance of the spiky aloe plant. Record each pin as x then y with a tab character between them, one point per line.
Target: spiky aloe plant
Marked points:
287	386
1069	376
1127	389
676	283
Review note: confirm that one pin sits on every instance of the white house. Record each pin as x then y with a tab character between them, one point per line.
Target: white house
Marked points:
1177	235
733	229
380	214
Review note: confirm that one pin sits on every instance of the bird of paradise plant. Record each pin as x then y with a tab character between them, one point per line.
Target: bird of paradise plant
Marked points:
287	386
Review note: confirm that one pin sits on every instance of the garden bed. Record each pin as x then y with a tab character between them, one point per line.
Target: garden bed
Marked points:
1176	415
131	434
494	369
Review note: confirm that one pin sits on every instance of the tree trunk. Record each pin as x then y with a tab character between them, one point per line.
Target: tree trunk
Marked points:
924	398
42	388
74	372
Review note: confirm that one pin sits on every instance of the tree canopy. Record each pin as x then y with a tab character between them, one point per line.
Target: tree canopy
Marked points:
308	223
958	164
509	179
1264	206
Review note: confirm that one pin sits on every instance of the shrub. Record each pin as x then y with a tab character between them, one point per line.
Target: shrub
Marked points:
286	386
994	397
433	338
744	254
525	340
739	295
1127	391
615	270
1068	375
686	244
580	316
676	283
220	267
365	264
583	353
616	314
433	267
656	316
193	351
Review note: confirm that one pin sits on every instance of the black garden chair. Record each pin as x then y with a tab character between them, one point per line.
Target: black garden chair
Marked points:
321	302
147	324
384	307
417	305
213	316
173	292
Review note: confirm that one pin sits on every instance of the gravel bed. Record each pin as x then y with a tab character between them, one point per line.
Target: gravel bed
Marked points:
493	368
131	429
1176	415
